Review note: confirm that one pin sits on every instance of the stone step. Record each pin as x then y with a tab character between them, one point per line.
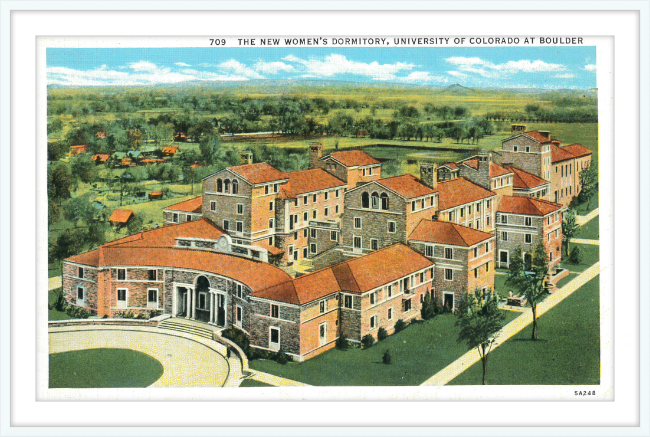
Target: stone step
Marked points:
188	331
187	328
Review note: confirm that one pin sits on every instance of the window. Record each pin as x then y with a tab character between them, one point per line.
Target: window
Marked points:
475	252
226	186
226	225
504	218
407	305
515	148
275	188
476	273
323	306
314	214
529	221
121	298
391	227
313	233
450	216
529	238
153	275
295	202
462	212
503	257
275	311
333	236
487	221
315	198
449	274
384	201
337	193
240	208
431	201
121	274
275	337
152	298
271	224
304	233
374	200
428	251
327	212
312	248
390	314
80	296
527	148
421	277
327	195
266	189
449	253
373	298
390	291
487	204
305	216
357	223
347	302
219	186
175	218
270	241
80	272
550	256
357	242
413	205
239	291
364	171
487	266
213	206
478	207
336	209
240	225
504	236
374	244
322	333
469	209
270	206
235	186
373	322
304	200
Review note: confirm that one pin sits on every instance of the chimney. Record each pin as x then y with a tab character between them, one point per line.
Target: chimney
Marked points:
246	158
429	174
546	134
484	158
315	154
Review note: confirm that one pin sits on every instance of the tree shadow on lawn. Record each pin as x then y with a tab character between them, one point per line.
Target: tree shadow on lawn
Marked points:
539	340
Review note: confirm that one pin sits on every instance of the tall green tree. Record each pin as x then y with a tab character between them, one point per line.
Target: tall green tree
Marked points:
589	182
531	284
59	182
83	167
569	228
479	319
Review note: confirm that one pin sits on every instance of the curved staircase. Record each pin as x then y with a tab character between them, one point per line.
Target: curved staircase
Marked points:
189	327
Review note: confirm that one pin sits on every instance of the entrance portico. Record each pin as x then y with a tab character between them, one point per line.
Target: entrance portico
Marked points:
200	302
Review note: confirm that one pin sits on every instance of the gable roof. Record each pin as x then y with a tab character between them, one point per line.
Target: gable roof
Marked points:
166	236
307	181
121	215
577	150
559	154
258	173
352	158
448	233
524	179
537	136
450	165
192	205
527	206
495	169
459	191
406	185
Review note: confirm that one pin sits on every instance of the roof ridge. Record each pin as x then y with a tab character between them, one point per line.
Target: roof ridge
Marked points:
453	225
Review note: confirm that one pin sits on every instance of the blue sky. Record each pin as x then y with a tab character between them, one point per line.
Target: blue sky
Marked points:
518	67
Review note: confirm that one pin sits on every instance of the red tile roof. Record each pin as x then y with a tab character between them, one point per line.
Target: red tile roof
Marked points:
447	233
451	165
272	249
353	158
166	235
303	289
558	154
527	206
495	169
90	258
258	173
192	205
306	181
537	136
170	149
459	191
121	215
406	185
524	179
577	150
101	157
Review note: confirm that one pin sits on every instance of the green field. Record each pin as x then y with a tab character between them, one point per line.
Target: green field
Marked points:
103	368
590	230
567	352
418	353
590	256
53	314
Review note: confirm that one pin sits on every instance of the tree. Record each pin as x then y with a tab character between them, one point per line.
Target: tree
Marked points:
589	183
479	319
56	150
531	284
135	224
79	208
428	310
59	182
569	228
83	167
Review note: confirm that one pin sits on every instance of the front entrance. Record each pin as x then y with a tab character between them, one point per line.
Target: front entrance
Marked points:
449	301
221	310
181	306
528	261
202	308
503	258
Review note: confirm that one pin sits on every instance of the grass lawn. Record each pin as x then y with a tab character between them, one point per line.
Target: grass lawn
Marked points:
586	207
568	353
590	256
590	230
566	280
418	352
54	314
102	368
253	383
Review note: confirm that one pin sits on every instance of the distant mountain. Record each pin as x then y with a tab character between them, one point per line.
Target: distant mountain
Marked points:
457	89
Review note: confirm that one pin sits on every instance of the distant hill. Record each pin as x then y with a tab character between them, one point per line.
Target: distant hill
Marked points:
457	89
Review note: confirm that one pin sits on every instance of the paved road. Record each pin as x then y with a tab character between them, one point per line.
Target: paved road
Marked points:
471	357
582	219
188	361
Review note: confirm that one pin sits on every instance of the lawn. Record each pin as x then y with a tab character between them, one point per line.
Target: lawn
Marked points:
418	353
53	314
586	207
566	280
590	256
253	383
568	352
590	230
103	368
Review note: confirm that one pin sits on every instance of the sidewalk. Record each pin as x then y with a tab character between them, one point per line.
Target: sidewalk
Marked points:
276	381
54	282
471	357
582	219
584	241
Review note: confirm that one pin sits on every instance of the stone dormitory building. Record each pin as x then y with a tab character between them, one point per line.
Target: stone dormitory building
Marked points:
298	259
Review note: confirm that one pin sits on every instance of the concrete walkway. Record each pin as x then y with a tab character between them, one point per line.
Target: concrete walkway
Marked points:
276	381
582	219
54	282
584	241
187	360
471	357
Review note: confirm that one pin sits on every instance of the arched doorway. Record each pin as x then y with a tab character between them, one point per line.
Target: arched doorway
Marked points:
202	304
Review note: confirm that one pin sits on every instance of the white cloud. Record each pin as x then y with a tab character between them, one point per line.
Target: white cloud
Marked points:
272	67
241	69
491	70
423	77
590	67
565	76
143	66
334	64
182	64
457	74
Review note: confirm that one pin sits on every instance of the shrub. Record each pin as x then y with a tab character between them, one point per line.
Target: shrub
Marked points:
60	304
155	313
367	340
382	334
400	325
428	307
141	316
238	337
281	358
342	343
575	257
386	358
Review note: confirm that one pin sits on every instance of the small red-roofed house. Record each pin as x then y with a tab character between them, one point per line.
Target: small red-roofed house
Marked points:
121	217
353	167
527	184
78	149
185	211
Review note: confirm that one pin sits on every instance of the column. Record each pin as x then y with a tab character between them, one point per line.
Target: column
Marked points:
211	307
187	303
194	303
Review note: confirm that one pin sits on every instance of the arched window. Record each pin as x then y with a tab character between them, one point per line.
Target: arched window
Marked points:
226	186
375	200
365	200
235	186
384	201
219	186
